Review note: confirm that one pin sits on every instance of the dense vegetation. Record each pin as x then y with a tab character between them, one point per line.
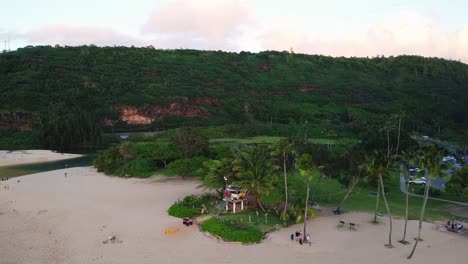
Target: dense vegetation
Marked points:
233	231
458	183
75	93
13	140
190	206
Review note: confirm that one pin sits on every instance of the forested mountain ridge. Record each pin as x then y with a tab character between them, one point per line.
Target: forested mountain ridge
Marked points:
79	90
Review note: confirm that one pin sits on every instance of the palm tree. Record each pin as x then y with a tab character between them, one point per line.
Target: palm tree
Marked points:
431	162
408	159
378	165
285	147
216	173
308	170
400	117
254	171
355	169
370	179
388	126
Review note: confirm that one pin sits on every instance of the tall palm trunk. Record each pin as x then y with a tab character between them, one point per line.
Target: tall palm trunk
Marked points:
257	200
347	194
388	143
377	203
388	212
316	190
305	212
403	240
421	218
285	189
398	138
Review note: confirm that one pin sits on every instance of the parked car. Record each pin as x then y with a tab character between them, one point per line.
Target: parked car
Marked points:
450	159
187	221
413	170
421	181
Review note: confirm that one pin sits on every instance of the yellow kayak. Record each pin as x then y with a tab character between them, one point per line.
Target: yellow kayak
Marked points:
170	231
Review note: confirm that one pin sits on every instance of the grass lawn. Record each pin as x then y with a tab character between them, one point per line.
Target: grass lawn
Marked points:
272	140
249	217
251	140
360	200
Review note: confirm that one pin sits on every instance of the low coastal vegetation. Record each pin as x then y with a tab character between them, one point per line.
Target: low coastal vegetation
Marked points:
232	231
191	206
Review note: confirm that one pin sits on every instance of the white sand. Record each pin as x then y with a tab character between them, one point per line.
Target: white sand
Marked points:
31	156
47	218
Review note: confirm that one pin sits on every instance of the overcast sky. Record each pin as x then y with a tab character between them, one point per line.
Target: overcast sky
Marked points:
330	27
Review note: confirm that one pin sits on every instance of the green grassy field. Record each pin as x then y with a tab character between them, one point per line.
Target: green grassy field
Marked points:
251	140
361	200
249	217
273	140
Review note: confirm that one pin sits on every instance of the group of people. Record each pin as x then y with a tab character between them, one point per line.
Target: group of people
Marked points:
455	226
298	237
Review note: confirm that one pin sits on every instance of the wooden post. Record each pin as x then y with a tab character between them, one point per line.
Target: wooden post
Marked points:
227	206
242	205
234	207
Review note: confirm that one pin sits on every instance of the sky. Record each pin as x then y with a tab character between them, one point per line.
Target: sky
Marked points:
360	28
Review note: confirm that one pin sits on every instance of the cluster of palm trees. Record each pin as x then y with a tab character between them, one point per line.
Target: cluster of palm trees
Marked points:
255	169
429	160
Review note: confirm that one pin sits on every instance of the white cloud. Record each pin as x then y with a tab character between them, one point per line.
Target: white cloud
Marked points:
75	35
402	33
203	24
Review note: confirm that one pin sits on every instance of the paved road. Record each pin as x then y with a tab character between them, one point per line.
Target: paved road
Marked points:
403	189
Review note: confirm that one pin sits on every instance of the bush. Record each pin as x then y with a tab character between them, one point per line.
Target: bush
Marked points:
109	161
232	231
140	167
190	206
187	167
181	211
433	192
14	140
458	183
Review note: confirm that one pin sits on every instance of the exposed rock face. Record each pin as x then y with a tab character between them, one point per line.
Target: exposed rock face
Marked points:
132	116
181	106
16	120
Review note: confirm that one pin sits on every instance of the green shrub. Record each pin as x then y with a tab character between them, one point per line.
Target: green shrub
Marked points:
433	192
109	161
187	167
160	152
140	167
181	211
14	140
465	192
232	231
190	206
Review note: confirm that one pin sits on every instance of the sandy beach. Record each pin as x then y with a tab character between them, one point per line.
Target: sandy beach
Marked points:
31	156
50	218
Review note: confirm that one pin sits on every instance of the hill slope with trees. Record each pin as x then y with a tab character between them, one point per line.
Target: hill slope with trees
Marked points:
69	95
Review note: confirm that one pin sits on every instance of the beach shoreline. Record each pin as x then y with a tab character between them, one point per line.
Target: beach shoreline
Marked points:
50	218
19	157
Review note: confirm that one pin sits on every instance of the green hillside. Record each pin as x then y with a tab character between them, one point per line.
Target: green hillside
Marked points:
74	93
